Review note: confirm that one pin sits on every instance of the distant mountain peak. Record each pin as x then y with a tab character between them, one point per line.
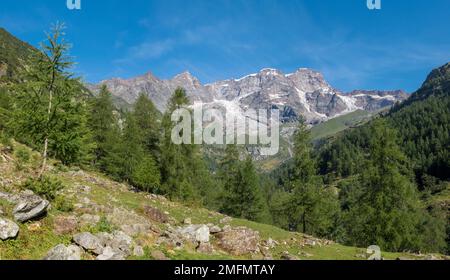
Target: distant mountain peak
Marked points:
302	93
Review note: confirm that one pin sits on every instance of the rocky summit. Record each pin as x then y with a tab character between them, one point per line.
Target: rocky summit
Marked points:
302	93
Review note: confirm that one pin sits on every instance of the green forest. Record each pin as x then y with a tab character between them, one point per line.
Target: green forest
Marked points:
372	184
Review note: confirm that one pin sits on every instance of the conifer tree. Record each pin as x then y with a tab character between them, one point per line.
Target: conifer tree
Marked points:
177	161
147	118
242	195
387	212
50	111
309	207
102	123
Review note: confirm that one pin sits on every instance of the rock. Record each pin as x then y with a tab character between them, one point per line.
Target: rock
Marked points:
155	214
159	256
8	229
63	253
287	256
122	242
431	258
129	222
172	238
89	242
110	254
271	243
30	207
226	220
138	251
89	220
214	229
226	228
202	234
266	253
205	248
195	233
239	241
65	224
310	242
104	238
187	221
84	189
118	241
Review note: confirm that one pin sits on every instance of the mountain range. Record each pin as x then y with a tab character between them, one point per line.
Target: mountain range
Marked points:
303	93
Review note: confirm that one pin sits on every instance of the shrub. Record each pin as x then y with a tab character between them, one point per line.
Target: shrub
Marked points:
104	226
45	186
62	204
23	156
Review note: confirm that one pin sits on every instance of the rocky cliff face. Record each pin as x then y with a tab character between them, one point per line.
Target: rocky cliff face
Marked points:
302	93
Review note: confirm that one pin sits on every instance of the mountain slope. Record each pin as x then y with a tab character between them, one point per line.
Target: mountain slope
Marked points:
14	54
149	226
423	125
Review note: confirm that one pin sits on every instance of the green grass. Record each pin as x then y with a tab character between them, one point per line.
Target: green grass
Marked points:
336	125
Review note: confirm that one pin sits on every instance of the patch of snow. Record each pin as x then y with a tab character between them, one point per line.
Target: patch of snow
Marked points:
349	102
302	96
245	77
387	97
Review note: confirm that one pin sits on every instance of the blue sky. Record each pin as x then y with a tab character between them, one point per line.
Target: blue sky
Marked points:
355	48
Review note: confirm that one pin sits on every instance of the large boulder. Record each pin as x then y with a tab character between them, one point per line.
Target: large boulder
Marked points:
239	241
29	207
89	242
8	229
63	253
195	233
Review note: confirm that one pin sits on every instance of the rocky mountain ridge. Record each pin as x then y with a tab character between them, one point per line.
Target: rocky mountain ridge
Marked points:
302	93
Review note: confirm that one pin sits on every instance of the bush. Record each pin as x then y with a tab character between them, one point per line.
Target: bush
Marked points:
45	186
23	156
104	226
62	204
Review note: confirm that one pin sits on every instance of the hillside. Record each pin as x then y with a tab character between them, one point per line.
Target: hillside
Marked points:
13	55
132	225
333	126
